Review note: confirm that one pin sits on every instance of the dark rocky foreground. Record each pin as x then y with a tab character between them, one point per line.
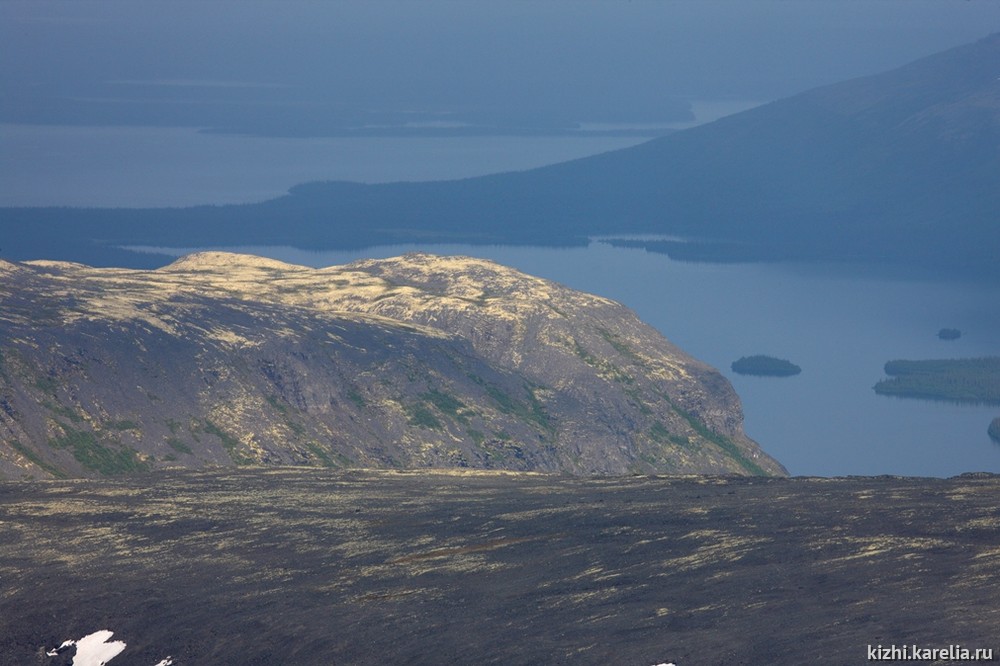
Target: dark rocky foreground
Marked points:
307	566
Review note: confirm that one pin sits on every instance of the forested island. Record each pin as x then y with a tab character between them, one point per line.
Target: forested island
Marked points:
949	334
765	366
975	380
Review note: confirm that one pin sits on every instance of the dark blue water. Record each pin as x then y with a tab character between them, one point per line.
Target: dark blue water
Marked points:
840	326
838	323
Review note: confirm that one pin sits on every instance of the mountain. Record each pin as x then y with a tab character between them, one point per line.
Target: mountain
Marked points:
417	361
901	167
369	567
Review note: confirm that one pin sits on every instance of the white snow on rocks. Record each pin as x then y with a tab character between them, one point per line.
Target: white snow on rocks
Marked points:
96	650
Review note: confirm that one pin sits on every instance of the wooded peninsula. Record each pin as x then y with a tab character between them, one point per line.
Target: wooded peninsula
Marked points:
974	380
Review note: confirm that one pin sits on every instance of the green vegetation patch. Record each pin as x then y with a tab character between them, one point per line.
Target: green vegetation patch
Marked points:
423	414
178	445
3	367
422	417
323	456
62	411
765	366
93	455
354	396
637	398
30	455
621	347
447	404
531	411
974	380
47	384
659	433
602	365
720	441
297	428
584	355
231	444
278	405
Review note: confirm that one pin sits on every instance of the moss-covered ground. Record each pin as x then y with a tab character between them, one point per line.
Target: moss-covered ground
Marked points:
313	566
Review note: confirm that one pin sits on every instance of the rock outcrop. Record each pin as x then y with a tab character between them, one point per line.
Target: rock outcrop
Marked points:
417	361
375	567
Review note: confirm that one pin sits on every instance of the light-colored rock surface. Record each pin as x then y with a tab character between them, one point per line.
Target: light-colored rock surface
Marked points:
418	360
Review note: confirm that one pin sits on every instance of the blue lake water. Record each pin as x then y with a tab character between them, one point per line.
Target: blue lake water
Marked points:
135	167
840	324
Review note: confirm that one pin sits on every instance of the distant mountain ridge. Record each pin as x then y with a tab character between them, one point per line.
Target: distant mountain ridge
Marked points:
413	362
901	167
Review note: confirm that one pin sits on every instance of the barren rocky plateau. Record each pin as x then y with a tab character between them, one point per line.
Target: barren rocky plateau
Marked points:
314	566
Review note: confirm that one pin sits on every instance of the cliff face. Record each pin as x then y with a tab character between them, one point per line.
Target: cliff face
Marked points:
417	361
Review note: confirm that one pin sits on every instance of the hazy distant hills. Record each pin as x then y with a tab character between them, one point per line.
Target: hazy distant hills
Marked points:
902	167
413	362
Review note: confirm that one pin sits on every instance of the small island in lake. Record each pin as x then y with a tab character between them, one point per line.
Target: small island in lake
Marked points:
975	380
994	430
765	366
949	334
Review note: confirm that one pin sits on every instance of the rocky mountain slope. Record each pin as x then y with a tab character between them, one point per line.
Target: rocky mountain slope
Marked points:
417	361
312	566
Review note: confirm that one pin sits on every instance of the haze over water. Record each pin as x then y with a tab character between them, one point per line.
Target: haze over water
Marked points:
136	167
104	103
840	325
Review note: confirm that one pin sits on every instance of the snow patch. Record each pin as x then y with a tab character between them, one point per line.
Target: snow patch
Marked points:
93	649
96	650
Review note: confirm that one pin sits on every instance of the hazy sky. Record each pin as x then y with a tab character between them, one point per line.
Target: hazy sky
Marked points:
198	63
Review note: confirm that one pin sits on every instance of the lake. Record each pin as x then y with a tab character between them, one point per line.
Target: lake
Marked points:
136	167
841	324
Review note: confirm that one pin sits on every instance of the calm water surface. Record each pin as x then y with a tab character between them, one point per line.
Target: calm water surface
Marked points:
840	324
135	167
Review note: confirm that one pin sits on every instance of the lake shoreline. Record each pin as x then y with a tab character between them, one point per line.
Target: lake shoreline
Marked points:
716	312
